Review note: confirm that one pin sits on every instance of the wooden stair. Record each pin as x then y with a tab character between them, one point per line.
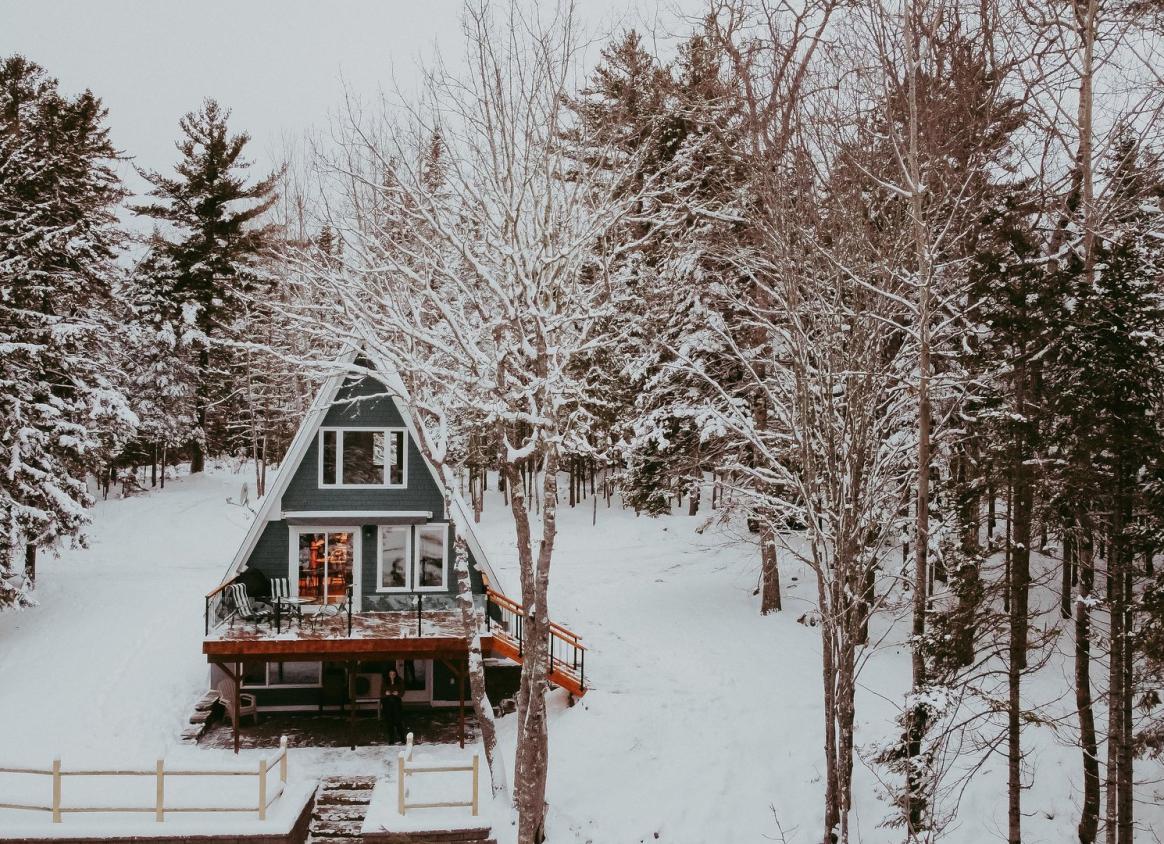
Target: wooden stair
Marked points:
567	653
341	804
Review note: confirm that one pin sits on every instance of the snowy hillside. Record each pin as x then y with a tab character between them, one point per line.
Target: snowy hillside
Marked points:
702	723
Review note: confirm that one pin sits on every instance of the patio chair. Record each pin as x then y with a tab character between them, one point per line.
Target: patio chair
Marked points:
316	614
246	702
281	588
244	608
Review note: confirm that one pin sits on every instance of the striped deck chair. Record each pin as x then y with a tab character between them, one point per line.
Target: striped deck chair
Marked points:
244	608
281	588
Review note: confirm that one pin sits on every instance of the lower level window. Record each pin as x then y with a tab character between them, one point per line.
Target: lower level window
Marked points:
275	674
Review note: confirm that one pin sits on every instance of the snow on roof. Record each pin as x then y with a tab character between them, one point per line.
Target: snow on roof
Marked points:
302	441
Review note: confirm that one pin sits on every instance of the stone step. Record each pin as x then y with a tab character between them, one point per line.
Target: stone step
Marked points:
344	797
336	829
348	783
323	812
207	701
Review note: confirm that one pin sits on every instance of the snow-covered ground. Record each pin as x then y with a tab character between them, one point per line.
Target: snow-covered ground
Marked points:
703	723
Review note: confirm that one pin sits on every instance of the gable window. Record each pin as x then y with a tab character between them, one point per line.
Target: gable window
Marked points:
362	457
412	559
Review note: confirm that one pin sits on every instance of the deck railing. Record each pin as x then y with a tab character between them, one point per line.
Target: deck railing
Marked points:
218	610
266	795
404	769
506	618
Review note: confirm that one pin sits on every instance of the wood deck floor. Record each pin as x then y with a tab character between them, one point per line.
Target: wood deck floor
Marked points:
438	633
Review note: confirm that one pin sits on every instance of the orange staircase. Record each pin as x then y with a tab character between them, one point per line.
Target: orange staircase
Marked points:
506	619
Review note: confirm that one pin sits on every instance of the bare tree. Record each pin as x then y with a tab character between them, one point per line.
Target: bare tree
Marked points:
472	266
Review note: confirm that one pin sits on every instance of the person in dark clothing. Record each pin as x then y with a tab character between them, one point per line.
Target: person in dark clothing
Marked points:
394	706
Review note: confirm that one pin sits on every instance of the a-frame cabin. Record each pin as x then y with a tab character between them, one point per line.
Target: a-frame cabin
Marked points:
347	569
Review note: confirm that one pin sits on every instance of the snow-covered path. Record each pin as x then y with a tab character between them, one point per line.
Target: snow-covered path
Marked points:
703	724
109	662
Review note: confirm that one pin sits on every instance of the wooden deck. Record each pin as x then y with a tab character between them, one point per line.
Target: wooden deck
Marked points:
379	635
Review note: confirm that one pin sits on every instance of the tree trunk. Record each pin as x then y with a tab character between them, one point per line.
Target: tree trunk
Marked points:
30	563
482	707
1127	654
532	755
1089	818
201	400
1067	571
829	677
769	572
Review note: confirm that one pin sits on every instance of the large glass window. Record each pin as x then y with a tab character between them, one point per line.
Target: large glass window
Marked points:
361	457
430	556
412	558
394	557
325	565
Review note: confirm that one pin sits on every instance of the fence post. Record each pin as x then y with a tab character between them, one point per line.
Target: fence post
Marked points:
476	767
160	805
283	759
400	783
262	789
57	790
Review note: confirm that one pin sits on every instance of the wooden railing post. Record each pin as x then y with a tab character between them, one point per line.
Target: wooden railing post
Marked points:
476	774
400	783
262	789
283	759
57	790
160	803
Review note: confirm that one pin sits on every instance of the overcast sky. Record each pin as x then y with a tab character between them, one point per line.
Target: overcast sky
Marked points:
280	65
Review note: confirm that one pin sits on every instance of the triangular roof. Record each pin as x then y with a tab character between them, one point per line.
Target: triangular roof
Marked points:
306	435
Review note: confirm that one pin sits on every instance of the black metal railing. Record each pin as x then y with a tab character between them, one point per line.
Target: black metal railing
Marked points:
506	618
219	608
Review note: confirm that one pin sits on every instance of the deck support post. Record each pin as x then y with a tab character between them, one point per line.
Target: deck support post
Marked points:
352	703
235	677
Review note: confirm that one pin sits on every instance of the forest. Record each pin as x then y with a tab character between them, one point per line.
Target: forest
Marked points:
884	280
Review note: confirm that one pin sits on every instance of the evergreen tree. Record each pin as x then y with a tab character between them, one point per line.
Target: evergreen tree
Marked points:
208	259
61	414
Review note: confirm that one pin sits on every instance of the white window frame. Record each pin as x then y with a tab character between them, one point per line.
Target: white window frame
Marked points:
409	564
412	555
339	457
269	685
357	561
444	587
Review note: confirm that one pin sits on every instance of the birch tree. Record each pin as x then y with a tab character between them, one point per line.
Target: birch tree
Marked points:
478	275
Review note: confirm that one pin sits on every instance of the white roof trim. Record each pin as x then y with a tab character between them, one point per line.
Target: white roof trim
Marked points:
298	448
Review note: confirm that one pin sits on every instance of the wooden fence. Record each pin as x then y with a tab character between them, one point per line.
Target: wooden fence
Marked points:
266	795
404	768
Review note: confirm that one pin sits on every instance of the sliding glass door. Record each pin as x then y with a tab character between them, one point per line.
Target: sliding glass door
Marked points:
327	560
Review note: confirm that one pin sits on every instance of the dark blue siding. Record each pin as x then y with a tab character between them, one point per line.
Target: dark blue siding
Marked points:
361	404
364	405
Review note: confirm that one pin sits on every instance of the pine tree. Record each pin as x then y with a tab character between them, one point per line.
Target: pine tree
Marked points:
1106	380
61	414
209	257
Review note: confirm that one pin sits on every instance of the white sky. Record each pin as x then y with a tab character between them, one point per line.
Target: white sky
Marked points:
280	65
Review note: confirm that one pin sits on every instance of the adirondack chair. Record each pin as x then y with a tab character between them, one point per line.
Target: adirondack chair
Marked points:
246	702
244	607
